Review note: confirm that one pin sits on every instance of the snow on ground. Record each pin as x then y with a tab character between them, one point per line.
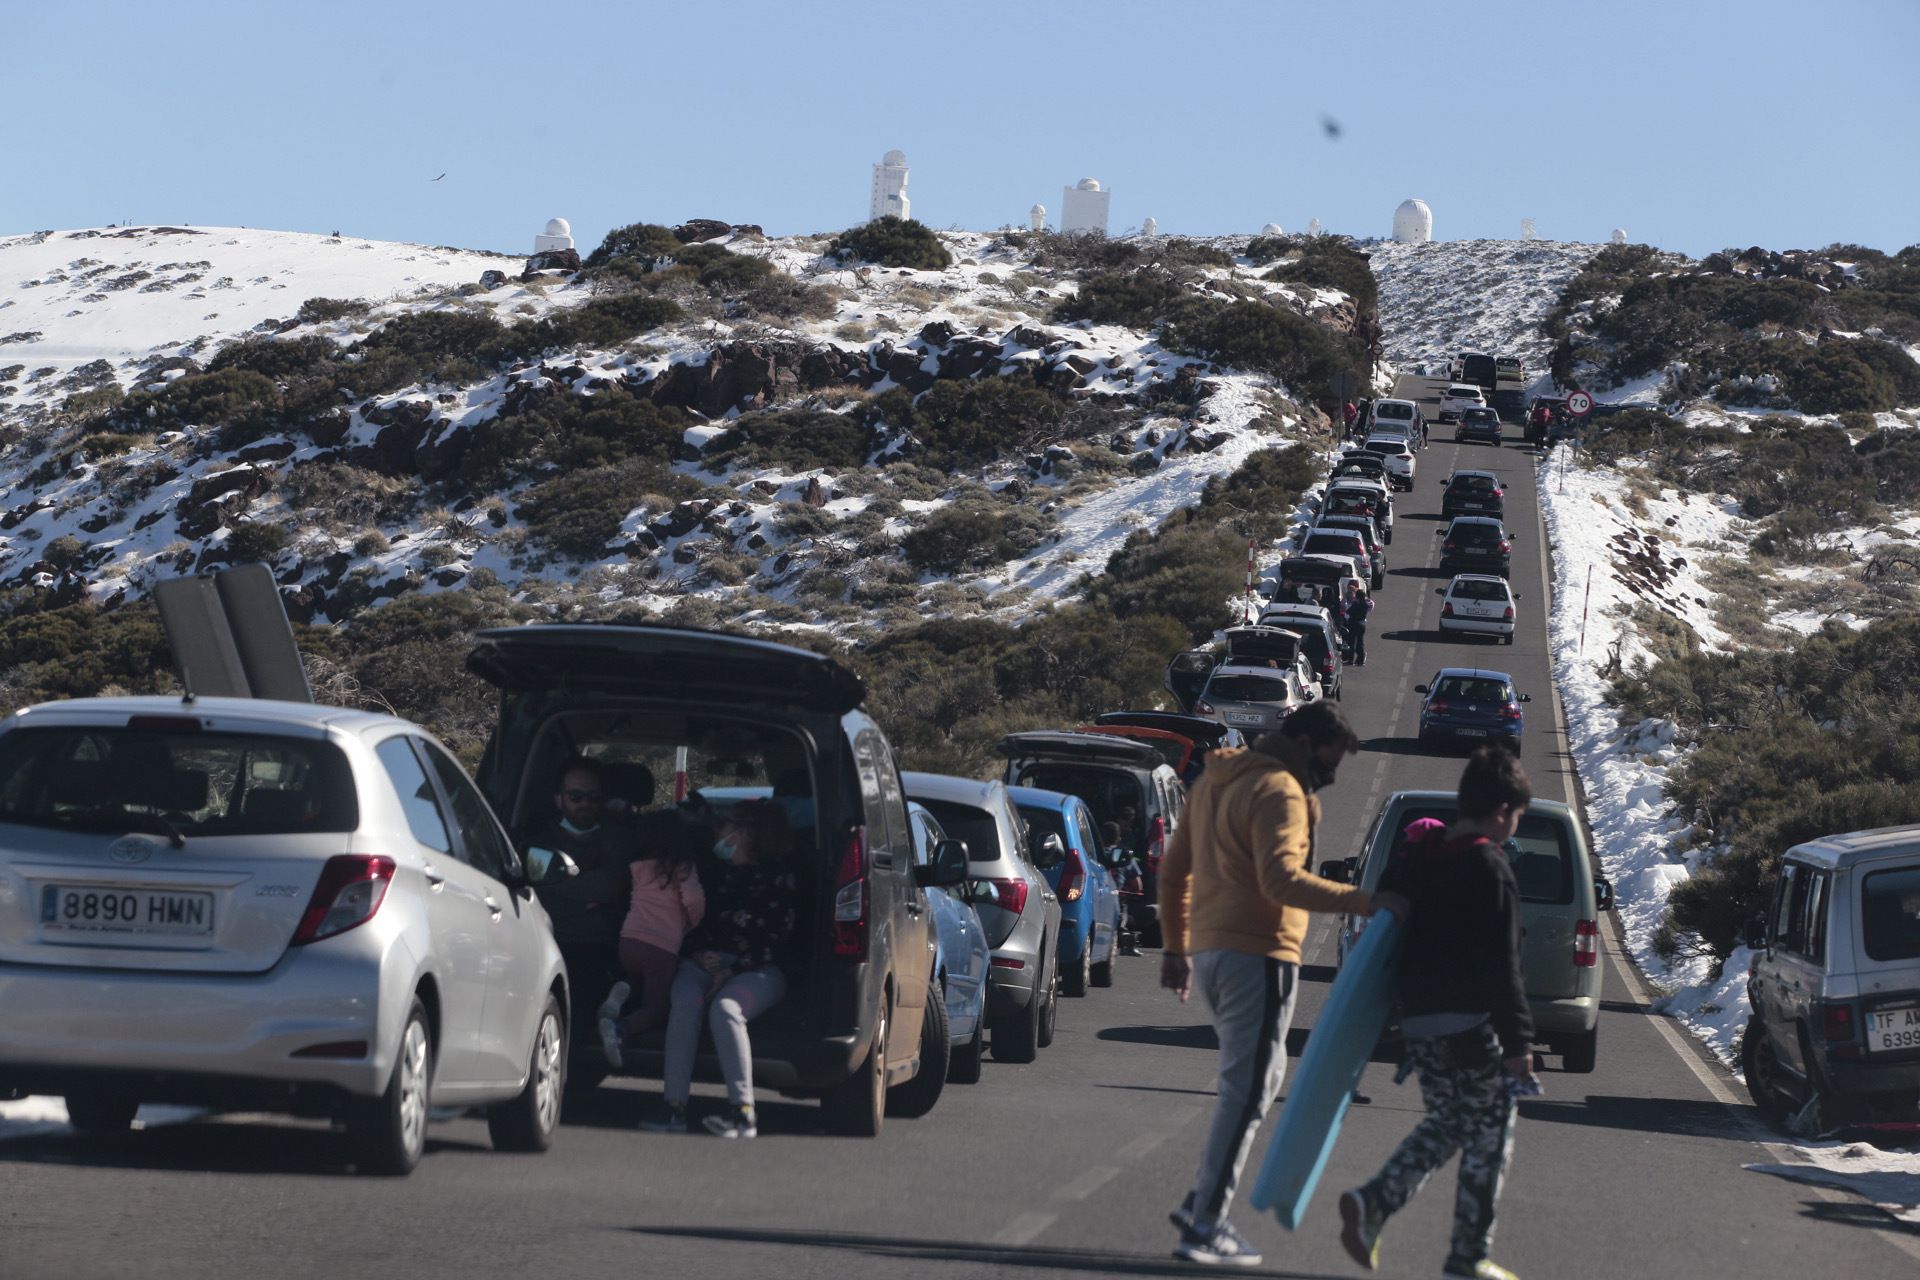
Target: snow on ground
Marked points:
35	1115
1889	1180
71	297
1448	296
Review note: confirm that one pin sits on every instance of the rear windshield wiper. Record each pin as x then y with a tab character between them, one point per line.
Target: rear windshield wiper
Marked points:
176	837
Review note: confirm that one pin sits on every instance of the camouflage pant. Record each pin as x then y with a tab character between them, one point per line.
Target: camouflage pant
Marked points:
1469	1111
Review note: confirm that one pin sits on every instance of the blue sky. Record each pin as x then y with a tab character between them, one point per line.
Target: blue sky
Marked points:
1694	124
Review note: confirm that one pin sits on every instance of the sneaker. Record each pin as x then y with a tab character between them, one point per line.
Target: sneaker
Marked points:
1183	1216
736	1122
616	1002
667	1119
610	1042
1481	1270
1220	1247
1359	1230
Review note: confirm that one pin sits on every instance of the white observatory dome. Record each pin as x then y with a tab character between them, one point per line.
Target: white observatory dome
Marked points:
558	227
1151	227
895	158
1619	235
1413	222
1273	229
1087	184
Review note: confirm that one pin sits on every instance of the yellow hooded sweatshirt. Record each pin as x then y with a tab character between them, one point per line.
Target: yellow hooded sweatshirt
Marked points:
1237	875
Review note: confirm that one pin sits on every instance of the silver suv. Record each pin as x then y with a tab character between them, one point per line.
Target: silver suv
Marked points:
275	906
1835	983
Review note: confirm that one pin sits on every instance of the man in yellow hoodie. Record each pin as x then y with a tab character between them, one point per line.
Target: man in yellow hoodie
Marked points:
1235	890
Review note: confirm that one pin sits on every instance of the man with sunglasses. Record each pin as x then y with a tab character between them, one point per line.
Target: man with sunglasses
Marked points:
588	909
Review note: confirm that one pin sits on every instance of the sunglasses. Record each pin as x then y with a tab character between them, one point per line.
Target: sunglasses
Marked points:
581	797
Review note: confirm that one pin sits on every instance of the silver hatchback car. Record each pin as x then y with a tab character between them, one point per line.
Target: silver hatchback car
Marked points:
265	905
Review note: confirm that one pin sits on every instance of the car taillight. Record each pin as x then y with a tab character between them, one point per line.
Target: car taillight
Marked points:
1586	944
1008	895
1511	711
1156	843
1438	706
1073	877
1326	665
1505	547
1204	707
351	888
1508	615
1446	610
1447	545
1836	1022
850	899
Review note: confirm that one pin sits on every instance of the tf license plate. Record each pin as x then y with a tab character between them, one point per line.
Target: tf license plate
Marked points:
1891	1030
105	909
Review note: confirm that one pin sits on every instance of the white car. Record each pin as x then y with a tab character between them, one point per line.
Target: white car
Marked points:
1479	604
1398	453
1404	414
277	906
1458	398
1252	699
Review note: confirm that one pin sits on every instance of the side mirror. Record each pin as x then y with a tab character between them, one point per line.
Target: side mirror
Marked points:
1439	533
1756	937
1339	870
1439	591
1518	597
549	867
1603	894
1419	688
947	868
1525	697
1053	852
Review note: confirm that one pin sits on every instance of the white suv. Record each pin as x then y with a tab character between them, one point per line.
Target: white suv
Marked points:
275	906
1458	398
1398	454
1479	604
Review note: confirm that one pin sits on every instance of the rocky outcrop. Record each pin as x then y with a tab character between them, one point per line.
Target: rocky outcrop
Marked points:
215	501
553	260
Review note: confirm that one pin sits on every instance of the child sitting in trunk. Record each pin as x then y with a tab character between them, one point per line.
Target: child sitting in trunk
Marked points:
668	901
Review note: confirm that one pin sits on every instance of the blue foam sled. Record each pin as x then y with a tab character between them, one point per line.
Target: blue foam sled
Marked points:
1351	1020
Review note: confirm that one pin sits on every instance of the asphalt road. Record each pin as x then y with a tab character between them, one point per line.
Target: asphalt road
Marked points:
1067	1165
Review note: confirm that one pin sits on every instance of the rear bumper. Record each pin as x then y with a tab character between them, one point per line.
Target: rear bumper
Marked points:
1479	626
1553	1019
1866	1076
1468	733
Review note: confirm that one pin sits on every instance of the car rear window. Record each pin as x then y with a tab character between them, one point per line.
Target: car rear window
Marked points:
1482	415
1890	914
1248	689
1480	590
1403	411
1110	793
1540	853
965	822
1313	639
1311	572
1473	484
196	783
1475	689
1475	533
1338	544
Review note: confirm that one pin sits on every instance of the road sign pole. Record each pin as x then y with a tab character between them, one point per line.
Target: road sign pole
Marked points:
1586	605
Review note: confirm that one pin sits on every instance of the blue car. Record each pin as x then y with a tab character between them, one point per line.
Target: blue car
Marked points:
961	955
1466	704
1089	896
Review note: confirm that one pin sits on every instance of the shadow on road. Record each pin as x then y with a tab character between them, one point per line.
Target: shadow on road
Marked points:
1199	1036
207	1146
624	1109
1695	1118
1398	747
1158	1088
1853	1213
912	1250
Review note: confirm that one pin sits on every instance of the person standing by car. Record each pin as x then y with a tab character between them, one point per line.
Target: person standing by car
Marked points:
1354	612
1464	1014
733	971
1235	890
586	909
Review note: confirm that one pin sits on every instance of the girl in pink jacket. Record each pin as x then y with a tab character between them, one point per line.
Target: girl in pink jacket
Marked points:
667	902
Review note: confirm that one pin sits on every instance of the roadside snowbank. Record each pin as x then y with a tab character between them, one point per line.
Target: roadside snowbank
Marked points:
1888	1180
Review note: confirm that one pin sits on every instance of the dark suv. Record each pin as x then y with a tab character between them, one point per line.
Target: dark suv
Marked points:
1476	544
1477	493
1122	781
707	722
1478	424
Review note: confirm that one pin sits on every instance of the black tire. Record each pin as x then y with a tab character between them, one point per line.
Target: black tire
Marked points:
527	1122
857	1106
1050	1014
1762	1070
963	1064
1016	1036
1579	1053
388	1133
1102	973
1150	935
100	1112
1080	977
916	1097
1507	639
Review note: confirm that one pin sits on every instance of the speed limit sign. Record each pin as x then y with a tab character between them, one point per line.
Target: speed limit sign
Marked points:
1579	404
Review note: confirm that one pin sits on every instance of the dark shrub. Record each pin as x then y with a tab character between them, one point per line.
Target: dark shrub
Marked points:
1136	299
1186	571
80	650
802	439
1259	498
645	241
578	512
570	432
972	421
603	322
1269	339
968	536
893	242
322	310
256	541
276	358
1326	262
457	335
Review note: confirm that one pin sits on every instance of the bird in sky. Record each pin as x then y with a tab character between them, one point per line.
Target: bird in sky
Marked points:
441	176
1331	125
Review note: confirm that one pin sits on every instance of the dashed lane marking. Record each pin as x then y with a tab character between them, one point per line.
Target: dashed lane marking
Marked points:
1023	1229
1088	1183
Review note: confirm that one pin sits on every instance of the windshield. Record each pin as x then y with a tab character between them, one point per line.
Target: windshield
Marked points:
1388	409
1474	689
1248	689
115	778
1890	914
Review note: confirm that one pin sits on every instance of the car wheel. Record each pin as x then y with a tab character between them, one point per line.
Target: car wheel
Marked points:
1578	1053
527	1122
389	1132
1076	982
101	1111
1016	1036
1507	639
963	1064
916	1097
857	1106
1102	974
1765	1082
1051	1013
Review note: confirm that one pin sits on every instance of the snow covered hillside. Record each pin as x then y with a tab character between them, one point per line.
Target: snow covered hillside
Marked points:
1449	296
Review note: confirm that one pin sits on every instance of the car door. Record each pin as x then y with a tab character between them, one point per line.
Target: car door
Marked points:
1772	992
899	905
965	953
1106	894
459	921
1802	959
517	945
1187	676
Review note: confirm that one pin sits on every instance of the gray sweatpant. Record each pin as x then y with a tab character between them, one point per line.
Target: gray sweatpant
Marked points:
1251	999
744	997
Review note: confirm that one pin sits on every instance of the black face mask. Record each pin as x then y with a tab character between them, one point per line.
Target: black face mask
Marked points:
1321	774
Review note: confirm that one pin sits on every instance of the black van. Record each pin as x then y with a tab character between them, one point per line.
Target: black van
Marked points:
686	724
1481	371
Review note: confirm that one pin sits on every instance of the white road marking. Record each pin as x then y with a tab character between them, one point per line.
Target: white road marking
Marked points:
1147	1142
1024	1228
1088	1183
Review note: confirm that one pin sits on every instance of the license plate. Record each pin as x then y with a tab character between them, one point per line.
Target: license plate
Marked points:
1891	1030
105	909
1245	717
1471	733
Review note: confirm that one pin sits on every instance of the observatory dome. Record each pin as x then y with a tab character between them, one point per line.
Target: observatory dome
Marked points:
1413	222
558	227
1619	235
896	158
1273	229
1087	184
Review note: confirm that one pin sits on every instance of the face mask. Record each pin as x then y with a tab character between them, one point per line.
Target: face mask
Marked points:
566	824
1321	774
725	849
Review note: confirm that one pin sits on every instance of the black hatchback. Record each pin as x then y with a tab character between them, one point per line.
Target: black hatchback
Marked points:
685	726
1476	544
1473	493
